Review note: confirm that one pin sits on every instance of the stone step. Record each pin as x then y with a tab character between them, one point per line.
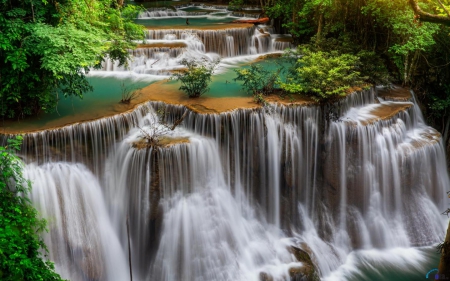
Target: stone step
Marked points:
373	113
419	138
396	93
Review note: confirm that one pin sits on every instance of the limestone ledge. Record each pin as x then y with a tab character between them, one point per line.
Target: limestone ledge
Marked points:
380	113
164	142
158	91
387	111
395	93
169	94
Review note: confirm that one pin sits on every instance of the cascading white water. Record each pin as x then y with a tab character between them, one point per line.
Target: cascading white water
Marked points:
163	13
198	43
206	233
81	241
234	191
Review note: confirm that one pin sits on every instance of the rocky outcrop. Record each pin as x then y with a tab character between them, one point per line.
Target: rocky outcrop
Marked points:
444	265
306	272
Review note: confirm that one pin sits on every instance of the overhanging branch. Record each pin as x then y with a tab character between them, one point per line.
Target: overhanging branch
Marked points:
424	16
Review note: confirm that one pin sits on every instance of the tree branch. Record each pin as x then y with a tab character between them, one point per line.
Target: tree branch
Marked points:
427	17
178	122
443	7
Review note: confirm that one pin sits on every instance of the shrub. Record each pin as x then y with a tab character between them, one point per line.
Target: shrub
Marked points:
236	5
20	227
129	94
324	76
257	80
196	78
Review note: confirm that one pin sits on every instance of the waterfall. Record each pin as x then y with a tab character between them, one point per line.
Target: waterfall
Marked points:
215	41
81	240
228	194
173	45
164	13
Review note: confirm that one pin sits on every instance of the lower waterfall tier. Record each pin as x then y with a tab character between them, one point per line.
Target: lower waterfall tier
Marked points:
258	194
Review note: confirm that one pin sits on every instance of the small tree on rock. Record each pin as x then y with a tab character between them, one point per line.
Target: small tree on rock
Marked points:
196	77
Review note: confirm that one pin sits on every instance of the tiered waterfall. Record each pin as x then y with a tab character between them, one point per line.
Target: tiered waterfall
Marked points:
229	195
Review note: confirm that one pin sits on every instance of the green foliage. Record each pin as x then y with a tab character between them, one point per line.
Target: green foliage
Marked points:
440	104
20	227
296	16
236	5
259	98
324	76
257	80
196	78
373	68
47	46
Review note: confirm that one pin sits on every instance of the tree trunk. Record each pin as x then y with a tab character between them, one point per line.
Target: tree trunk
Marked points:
319	28
405	70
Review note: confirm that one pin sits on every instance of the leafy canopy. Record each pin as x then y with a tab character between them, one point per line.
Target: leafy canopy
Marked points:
46	47
21	246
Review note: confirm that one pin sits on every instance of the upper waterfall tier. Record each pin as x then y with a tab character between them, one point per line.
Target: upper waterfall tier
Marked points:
198	37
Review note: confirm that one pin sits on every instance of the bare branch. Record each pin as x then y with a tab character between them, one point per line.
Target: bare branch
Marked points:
178	122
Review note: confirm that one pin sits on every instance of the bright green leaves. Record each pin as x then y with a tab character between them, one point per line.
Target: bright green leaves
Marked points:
45	51
20	227
196	78
65	48
324	76
408	37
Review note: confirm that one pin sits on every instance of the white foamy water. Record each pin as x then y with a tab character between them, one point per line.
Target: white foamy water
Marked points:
238	190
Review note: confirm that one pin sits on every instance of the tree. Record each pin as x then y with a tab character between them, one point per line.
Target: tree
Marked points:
196	77
427	17
258	81
324	76
236	5
46	47
20	227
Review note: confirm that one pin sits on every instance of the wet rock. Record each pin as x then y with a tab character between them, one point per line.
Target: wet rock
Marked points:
265	277
444	264
308	271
